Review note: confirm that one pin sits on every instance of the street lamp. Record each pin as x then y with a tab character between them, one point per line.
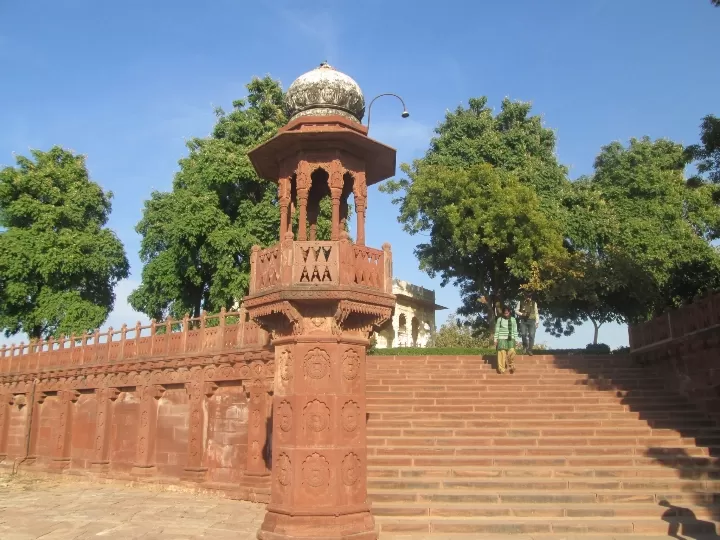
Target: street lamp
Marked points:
404	114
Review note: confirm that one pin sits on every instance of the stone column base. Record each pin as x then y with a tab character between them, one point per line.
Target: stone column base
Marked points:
196	474
144	470
358	526
100	466
59	464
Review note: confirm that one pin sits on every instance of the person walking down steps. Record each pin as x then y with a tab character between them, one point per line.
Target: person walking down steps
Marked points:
506	334
528	321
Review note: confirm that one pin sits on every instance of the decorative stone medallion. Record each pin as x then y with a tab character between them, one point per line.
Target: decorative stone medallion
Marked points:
286	364
317	416
317	363
351	468
284	469
316	471
350	416
351	364
285	416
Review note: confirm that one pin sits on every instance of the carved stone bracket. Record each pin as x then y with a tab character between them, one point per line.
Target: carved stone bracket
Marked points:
361	316
278	318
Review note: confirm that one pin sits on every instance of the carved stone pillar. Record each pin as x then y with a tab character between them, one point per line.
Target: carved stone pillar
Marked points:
360	208
257	428
303	188
33	418
361	200
319	469
197	390
320	328
63	430
147	429
6	401
284	199
103	425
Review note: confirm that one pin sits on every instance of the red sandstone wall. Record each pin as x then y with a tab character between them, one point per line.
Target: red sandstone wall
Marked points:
683	345
123	439
115	410
227	435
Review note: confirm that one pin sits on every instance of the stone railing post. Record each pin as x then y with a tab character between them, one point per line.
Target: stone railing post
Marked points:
220	343
123	337
103	425
185	330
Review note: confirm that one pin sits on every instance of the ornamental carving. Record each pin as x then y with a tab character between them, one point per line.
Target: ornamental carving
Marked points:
316	471
284	473
285	364
317	364
350	416
285	420
351	469
351	364
317	416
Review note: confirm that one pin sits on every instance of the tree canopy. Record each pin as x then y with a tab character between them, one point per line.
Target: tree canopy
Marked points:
59	263
197	238
487	194
638	239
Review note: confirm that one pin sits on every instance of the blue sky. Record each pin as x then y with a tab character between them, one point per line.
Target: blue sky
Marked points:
127	82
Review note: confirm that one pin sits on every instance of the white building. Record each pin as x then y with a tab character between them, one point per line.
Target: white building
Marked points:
413	321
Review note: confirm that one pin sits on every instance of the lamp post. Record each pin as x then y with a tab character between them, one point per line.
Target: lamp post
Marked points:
404	114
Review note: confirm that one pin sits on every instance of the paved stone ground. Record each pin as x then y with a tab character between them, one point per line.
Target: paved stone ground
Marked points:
31	509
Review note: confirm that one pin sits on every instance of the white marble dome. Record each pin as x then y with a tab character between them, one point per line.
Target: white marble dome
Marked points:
325	91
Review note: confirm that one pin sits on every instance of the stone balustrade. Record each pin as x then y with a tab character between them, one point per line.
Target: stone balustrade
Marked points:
313	263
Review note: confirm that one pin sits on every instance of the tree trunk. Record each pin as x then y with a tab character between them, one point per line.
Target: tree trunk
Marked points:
597	329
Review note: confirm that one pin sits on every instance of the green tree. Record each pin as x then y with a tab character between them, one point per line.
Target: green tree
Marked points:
485	231
59	262
662	226
707	154
487	193
197	238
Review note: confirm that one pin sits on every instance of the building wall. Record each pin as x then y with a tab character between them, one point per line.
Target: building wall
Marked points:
413	321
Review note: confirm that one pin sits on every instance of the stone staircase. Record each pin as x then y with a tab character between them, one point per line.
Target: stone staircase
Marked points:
567	447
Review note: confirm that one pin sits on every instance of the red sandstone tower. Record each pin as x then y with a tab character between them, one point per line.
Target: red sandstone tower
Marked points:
320	300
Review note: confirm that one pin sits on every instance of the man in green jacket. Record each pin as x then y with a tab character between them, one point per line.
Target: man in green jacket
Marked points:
506	334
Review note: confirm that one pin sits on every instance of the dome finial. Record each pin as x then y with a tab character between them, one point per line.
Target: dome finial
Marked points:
325	91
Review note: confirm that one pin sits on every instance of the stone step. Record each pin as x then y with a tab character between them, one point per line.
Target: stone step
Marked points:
541	526
476	418
544	496
711	472
563	451
541	441
679	459
497	395
571	431
543	484
539	510
428	406
421	422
